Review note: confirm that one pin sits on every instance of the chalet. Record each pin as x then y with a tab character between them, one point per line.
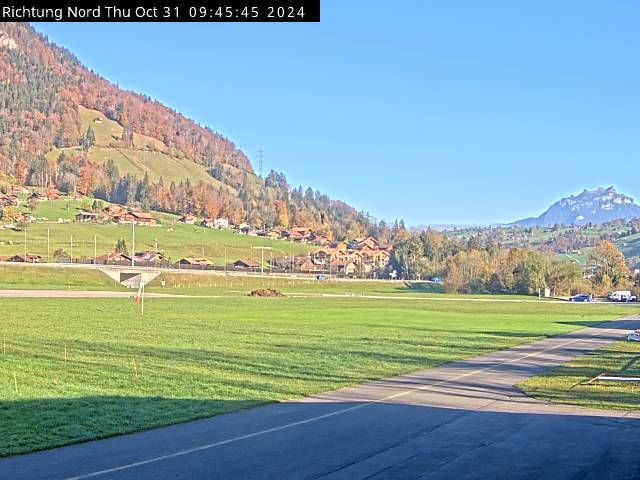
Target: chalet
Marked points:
320	240
148	257
339	245
52	194
218	223
345	268
377	258
308	266
18	189
23	218
193	262
357	257
134	216
245	228
8	201
221	223
29	258
188	219
87	217
325	255
300	234
360	243
113	258
245	263
115	209
39	196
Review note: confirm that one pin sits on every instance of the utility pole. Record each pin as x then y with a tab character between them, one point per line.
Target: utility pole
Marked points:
260	160
95	249
262	249
133	242
225	260
25	243
71	253
48	259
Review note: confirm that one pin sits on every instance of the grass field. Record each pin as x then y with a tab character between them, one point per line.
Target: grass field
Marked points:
20	276
77	369
566	384
27	277
175	240
149	155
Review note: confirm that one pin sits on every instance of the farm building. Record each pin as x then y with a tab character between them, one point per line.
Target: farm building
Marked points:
29	258
113	258
87	217
244	263
134	216
148	257
188	219
194	262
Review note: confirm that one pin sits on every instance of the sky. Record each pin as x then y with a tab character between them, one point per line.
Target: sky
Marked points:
458	112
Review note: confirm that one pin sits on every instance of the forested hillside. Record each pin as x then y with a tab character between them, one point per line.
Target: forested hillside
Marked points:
63	126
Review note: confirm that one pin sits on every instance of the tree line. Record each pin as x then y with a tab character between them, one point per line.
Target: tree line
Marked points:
479	265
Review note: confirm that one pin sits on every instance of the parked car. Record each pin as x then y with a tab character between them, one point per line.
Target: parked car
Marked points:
581	297
634	336
622	296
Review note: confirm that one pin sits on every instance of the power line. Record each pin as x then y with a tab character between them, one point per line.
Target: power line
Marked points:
260	159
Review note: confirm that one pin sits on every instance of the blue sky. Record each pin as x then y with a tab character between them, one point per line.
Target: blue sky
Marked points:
454	112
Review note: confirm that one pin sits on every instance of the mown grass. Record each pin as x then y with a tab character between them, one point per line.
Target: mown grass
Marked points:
19	276
191	358
567	383
29	277
175	240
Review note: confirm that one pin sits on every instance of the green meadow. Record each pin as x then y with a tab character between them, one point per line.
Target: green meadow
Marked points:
568	382
174	239
80	369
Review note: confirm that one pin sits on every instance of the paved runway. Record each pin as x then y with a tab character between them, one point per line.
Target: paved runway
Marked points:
461	420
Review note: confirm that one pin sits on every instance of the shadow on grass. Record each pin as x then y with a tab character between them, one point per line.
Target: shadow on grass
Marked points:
621	324
30	425
315	439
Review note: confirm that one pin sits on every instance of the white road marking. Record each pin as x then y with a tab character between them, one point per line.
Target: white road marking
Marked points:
327	415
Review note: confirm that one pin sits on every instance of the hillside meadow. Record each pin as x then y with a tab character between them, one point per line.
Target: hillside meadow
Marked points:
79	369
174	239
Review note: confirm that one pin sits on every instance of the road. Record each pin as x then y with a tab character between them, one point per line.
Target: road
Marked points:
43	293
462	420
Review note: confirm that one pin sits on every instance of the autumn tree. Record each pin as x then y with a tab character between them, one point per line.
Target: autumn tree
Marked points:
608	263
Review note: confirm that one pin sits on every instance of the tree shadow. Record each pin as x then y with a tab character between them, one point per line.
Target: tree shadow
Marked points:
30	425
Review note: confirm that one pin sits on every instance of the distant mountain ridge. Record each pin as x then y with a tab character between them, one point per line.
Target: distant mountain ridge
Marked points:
591	206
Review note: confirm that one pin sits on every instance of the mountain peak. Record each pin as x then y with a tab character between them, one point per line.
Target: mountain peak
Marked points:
591	206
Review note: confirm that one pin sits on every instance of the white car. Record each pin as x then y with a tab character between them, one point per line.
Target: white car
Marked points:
634	336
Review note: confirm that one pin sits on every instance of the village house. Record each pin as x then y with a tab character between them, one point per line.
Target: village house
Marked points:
19	189
29	258
245	264
114	210
325	255
87	217
114	258
221	223
8	201
300	234
135	216
148	257
193	262
376	258
188	219
343	268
